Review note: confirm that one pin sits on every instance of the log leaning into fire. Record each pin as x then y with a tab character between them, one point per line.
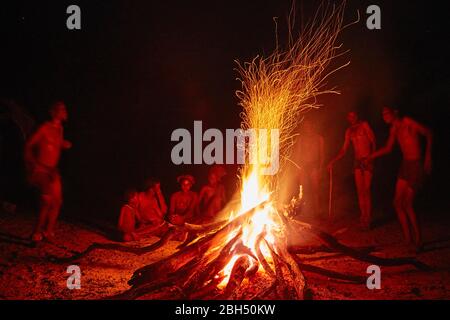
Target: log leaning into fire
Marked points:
117	247
333	243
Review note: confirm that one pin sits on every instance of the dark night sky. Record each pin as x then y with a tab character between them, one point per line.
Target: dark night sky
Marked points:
138	70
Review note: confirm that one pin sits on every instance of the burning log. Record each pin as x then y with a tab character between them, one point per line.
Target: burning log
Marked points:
214	267
261	257
238	274
290	282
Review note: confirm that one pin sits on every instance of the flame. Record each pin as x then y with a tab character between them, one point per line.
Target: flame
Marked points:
254	193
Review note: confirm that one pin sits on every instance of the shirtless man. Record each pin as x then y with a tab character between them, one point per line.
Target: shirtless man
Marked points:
363	140
311	148
406	132
151	207
129	217
42	153
183	203
212	195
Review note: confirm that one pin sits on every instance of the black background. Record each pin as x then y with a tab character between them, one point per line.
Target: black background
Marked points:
137	70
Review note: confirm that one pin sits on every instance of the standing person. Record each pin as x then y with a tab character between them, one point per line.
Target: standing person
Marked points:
212	195
363	140
406	132
42	154
311	148
183	203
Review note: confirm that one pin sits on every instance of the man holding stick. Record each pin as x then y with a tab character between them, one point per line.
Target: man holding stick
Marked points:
363	140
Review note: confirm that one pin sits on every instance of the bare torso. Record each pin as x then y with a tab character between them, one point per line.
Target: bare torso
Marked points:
149	210
212	199
182	202
359	136
408	139
49	146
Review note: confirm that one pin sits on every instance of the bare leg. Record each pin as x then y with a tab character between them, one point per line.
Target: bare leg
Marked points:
44	212
360	189
55	207
399	204
368	197
409	208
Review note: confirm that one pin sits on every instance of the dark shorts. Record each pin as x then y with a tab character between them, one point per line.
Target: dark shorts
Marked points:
412	172
361	165
43	179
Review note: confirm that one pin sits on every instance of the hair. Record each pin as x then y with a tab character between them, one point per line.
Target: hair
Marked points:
128	194
56	105
393	110
187	177
150	183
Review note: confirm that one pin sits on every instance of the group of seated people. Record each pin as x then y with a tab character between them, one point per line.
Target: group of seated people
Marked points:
146	213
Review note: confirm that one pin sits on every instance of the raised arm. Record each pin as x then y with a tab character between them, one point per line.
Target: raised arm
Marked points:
388	147
161	200
343	150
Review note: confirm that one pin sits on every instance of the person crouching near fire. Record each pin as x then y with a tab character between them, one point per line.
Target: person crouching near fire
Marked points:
152	209
129	217
212	195
183	203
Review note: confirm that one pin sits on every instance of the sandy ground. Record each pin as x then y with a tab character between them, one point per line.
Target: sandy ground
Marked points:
26	273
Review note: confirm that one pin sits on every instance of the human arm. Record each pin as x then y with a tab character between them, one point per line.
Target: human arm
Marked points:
34	140
428	134
66	144
388	147
343	150
161	200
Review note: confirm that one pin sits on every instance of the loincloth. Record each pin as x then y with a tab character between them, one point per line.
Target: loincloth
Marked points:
43	178
363	165
412	172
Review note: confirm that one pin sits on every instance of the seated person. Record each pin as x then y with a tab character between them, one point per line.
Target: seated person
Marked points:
129	217
152	206
212	195
183	203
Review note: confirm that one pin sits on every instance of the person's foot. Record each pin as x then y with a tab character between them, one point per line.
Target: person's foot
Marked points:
37	237
364	226
49	236
420	248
